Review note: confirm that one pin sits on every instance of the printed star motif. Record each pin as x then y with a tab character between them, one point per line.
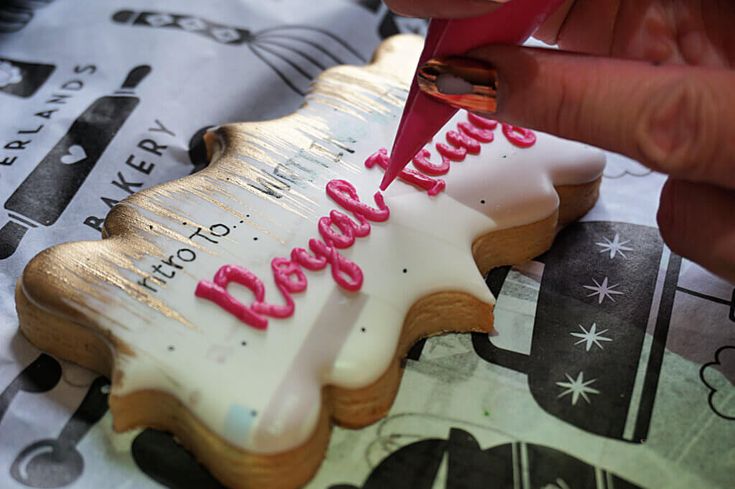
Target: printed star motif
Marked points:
603	291
591	336
577	387
615	246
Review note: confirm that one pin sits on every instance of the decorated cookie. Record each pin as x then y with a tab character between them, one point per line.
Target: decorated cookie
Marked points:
248	307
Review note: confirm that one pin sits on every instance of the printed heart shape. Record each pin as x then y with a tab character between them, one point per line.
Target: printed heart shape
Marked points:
75	154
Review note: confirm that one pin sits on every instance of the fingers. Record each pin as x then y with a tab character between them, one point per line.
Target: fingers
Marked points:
442	8
677	120
590	27
549	30
696	221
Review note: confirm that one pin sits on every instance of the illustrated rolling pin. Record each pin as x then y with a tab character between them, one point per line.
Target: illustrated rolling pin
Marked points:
44	195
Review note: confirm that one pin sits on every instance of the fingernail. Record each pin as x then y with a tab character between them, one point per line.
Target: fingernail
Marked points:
463	83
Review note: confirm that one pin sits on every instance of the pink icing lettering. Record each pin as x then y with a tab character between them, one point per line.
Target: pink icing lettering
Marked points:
345	194
303	258
521	137
481	122
348	229
344	271
460	140
339	230
216	292
422	163
288	276
431	185
481	135
450	152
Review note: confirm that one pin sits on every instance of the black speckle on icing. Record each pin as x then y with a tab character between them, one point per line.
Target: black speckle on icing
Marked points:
255	238
244	343
482	201
362	329
405	270
171	347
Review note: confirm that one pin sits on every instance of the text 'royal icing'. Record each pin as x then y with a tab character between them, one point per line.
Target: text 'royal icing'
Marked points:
339	230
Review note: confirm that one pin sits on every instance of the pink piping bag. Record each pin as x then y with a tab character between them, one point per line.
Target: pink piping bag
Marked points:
423	117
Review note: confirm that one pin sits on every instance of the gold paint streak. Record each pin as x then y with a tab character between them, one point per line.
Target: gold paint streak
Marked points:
87	270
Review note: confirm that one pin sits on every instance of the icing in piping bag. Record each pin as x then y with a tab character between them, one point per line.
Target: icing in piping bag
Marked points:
423	117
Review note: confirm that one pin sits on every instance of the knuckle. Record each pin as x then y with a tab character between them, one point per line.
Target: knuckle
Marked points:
564	116
677	129
575	105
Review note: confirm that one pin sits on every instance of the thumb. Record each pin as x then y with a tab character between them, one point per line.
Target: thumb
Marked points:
674	119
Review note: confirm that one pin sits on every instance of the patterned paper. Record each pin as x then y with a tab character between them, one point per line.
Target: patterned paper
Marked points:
614	362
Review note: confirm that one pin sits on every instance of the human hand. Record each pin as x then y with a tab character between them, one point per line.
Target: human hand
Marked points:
651	79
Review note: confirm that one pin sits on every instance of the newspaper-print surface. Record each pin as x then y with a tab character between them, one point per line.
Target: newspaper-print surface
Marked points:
614	362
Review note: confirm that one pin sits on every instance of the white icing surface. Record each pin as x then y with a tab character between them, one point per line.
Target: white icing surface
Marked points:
261	389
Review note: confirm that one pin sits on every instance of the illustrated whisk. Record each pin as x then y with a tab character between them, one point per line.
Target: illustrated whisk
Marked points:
295	53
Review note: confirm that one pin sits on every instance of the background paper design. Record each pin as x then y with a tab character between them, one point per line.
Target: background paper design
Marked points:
614	365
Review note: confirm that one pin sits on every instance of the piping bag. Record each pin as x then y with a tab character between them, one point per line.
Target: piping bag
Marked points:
423	117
